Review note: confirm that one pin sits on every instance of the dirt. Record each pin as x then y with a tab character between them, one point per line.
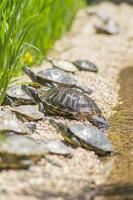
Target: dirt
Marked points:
56	177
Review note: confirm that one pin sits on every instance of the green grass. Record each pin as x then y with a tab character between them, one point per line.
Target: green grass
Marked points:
28	29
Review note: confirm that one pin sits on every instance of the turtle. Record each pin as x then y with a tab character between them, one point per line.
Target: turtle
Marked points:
19	151
86	65
16	96
86	136
28	112
56	147
70	103
54	78
64	65
110	28
9	122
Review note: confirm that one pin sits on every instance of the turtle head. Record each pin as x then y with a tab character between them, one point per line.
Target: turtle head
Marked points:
60	126
56	124
100	122
32	92
30	73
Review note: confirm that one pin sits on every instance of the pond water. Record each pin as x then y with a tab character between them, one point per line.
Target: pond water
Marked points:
119	184
122	130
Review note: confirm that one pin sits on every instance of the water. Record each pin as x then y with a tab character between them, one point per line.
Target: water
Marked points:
122	131
119	184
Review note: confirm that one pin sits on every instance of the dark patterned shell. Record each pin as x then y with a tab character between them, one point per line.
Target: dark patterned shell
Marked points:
56	76
69	101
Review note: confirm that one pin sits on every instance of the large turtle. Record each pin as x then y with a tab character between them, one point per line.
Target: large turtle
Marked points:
68	102
86	136
54	77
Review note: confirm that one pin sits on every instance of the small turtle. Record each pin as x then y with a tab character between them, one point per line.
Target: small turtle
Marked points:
110	28
16	96
29	112
86	136
70	103
54	77
8	122
17	151
64	65
56	147
86	65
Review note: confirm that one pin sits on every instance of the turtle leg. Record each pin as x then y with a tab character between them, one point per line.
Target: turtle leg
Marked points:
43	110
83	89
100	122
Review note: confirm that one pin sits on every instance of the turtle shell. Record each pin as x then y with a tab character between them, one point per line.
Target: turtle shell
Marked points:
86	65
18	95
56	76
100	14
56	147
91	138
64	65
86	136
8	122
69	102
29	112
103	16
19	151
